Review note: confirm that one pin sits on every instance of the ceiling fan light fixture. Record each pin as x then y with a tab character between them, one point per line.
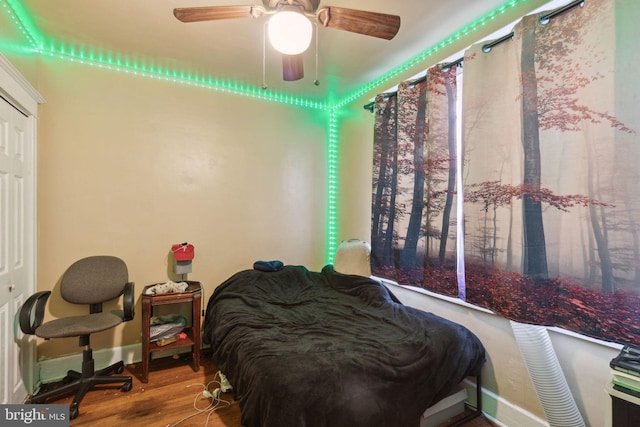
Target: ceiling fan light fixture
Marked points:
290	32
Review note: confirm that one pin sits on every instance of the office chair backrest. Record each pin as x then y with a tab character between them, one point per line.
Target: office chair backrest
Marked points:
94	280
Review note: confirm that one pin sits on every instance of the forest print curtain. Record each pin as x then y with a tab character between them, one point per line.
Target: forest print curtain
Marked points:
413	215
550	175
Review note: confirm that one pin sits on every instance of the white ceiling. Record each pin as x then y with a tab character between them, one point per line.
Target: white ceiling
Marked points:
145	30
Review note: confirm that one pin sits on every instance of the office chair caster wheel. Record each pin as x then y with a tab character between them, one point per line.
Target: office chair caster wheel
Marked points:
119	369
73	411
126	386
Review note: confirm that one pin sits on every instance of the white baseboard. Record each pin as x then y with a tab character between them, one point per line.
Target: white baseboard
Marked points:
51	370
502	412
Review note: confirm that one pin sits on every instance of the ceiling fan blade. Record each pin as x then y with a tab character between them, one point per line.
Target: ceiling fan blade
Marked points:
292	67
212	13
372	24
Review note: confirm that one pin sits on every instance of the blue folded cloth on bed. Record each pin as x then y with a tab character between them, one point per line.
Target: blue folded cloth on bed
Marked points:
268	265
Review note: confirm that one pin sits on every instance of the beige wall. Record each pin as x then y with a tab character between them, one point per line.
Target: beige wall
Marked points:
129	165
354	171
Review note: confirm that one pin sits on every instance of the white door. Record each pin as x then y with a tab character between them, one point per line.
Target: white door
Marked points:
18	111
16	249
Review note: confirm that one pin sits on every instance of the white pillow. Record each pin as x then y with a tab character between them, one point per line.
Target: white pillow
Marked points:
353	257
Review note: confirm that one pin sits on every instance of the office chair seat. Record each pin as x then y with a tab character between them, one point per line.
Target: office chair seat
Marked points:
90	281
76	326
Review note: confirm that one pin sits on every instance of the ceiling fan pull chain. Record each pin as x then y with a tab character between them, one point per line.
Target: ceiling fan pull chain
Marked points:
264	57
316	81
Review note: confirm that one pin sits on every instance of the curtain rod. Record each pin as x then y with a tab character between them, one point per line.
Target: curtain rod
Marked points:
419	80
544	19
447	67
486	48
372	104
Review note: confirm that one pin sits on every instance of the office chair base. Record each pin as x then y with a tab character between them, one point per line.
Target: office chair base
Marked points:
116	368
81	383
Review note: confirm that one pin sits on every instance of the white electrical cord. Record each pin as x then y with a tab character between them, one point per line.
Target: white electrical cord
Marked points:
215	402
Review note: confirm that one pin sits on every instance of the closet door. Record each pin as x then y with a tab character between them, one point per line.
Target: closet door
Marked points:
16	248
18	111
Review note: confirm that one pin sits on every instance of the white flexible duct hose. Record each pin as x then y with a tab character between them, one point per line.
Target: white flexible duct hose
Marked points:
547	376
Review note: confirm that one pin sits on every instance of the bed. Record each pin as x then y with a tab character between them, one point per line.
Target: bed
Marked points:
304	348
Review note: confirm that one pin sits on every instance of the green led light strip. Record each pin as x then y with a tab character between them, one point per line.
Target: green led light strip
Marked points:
121	63
332	187
23	22
390	78
202	81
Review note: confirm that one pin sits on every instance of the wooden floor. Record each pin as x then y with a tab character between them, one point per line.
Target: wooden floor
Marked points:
172	397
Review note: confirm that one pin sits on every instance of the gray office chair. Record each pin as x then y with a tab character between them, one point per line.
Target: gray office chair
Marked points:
93	281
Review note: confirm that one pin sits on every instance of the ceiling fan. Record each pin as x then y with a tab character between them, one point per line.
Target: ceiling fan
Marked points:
287	37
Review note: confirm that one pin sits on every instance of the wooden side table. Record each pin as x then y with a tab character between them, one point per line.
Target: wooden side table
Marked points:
193	294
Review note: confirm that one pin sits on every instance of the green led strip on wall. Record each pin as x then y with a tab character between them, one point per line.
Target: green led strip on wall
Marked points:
180	77
332	186
123	63
120	63
23	22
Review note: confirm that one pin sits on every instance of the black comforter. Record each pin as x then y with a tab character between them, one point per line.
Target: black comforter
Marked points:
305	349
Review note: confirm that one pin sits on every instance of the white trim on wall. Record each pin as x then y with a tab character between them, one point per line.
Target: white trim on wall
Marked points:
506	414
55	369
